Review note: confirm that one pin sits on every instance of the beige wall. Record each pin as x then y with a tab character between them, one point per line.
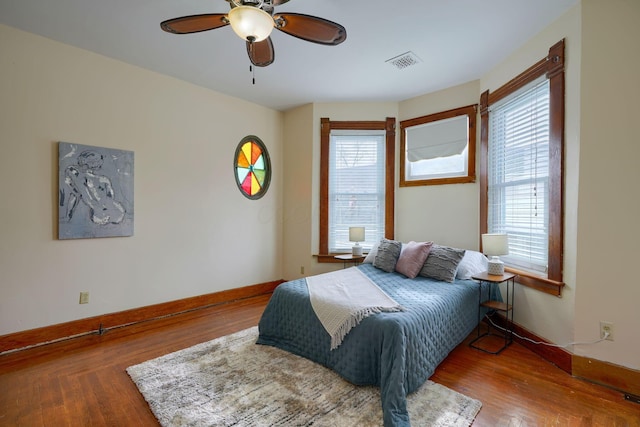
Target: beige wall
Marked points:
422	211
194	232
298	170
450	213
184	137
609	207
302	172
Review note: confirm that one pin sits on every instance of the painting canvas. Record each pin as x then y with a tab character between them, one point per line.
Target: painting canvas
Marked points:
95	197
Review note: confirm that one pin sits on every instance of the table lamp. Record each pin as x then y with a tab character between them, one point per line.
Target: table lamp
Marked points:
356	234
494	245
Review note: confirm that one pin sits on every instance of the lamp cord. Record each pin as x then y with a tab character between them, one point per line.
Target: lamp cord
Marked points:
606	334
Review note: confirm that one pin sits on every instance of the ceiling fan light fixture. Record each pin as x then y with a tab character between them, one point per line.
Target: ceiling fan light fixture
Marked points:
251	23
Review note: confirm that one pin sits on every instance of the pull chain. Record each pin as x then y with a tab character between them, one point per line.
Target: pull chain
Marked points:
251	70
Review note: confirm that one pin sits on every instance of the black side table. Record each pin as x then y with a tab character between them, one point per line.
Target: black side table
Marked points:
504	307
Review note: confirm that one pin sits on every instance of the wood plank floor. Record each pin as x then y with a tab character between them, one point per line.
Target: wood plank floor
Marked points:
82	382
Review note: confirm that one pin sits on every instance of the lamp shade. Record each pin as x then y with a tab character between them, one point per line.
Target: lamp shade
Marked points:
251	23
356	234
495	244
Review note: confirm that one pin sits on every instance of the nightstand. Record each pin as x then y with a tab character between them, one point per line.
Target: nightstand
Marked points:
347	258
504	307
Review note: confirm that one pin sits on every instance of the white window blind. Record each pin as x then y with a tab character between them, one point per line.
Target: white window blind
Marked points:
356	187
518	176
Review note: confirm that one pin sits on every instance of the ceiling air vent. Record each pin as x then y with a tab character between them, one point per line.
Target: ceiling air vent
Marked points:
405	60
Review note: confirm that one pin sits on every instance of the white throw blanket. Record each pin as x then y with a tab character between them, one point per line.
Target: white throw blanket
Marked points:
341	299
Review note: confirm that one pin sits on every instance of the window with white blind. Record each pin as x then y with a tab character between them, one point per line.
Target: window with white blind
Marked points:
357	170
521	170
518	175
356	187
439	148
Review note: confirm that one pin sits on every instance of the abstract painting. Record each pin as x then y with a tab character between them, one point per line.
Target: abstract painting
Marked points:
95	197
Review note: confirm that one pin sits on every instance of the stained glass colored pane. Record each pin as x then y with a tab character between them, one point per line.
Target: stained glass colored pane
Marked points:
256	152
242	160
242	173
255	185
252	167
246	184
246	149
260	176
259	163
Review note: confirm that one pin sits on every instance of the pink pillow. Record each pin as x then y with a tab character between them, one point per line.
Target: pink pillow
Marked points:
412	258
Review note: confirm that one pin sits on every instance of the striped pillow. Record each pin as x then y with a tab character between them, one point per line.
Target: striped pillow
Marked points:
442	263
387	255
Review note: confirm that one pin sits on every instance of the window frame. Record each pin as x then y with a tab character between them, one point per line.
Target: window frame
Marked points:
470	112
326	125
552	66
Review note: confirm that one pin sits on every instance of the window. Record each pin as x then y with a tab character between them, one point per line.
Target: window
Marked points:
252	167
518	178
521	172
357	188
439	148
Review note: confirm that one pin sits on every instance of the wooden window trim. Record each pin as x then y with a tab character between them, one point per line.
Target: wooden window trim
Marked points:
326	125
470	111
553	67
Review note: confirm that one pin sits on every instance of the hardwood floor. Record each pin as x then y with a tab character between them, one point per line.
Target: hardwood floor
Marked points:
82	382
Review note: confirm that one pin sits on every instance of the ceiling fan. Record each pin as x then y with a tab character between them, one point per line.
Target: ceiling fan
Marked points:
253	21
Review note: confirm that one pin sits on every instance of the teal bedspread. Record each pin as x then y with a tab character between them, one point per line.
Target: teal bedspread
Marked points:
396	351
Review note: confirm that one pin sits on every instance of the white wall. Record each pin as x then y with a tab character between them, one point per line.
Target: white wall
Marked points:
609	207
194	232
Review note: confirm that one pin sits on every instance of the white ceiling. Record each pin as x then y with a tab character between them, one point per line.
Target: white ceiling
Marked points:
456	40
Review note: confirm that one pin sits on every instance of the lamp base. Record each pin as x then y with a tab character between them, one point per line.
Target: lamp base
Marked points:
495	266
356	250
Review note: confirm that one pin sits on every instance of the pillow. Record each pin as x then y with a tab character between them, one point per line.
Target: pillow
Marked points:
472	263
387	255
412	258
371	255
442	263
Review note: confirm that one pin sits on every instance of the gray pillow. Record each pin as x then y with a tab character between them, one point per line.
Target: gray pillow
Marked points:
387	255
442	263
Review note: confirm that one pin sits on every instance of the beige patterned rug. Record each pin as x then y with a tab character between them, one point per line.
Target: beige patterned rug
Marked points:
231	381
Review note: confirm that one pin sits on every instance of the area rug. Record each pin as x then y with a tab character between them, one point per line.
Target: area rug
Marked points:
231	381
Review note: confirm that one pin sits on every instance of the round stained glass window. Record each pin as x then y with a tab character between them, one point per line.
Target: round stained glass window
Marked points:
252	167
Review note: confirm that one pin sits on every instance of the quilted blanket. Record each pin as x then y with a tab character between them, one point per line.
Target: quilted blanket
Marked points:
396	351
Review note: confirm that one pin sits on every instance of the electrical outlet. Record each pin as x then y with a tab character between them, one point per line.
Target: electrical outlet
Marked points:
84	297
606	328
302	269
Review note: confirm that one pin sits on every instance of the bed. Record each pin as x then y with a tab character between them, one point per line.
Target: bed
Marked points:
396	351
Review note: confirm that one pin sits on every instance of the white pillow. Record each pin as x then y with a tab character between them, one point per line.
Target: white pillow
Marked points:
372	254
472	263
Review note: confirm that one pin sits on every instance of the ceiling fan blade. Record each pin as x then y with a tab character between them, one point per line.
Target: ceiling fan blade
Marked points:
261	53
195	23
311	28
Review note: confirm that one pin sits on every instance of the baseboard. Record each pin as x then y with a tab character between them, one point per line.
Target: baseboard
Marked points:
607	374
617	377
47	334
558	356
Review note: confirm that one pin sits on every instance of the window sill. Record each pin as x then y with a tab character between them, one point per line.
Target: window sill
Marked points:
541	284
